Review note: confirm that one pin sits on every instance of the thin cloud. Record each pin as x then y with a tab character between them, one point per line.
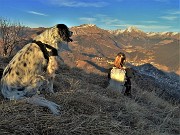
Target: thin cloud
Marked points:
174	12
170	18
37	13
122	24
87	19
107	20
150	22
171	15
75	3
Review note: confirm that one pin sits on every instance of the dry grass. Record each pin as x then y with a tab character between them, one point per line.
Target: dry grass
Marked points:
90	109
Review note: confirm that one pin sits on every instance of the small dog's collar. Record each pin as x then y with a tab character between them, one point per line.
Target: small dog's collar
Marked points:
46	53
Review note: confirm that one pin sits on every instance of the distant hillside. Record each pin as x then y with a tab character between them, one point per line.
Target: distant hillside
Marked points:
160	49
166	84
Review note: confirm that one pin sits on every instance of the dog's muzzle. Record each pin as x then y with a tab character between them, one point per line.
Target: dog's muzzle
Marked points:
70	34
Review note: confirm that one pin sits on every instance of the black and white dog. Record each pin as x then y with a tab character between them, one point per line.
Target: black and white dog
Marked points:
32	69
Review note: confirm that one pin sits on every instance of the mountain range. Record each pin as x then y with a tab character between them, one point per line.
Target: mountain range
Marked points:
92	43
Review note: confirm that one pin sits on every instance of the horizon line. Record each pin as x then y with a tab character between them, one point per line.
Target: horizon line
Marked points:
128	26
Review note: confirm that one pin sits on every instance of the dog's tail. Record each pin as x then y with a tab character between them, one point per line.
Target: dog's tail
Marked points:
41	101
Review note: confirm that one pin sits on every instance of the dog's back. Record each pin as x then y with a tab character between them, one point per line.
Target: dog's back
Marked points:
117	79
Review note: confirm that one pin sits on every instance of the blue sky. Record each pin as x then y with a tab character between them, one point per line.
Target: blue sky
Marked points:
147	15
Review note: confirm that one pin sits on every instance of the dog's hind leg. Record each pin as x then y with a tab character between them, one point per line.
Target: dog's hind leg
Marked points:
41	101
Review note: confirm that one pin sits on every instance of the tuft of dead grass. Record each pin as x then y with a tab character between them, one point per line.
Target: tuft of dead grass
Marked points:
90	109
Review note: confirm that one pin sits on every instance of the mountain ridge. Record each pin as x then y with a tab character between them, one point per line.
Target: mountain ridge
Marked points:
132	29
140	47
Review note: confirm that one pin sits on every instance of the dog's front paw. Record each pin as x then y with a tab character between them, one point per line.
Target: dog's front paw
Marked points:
55	108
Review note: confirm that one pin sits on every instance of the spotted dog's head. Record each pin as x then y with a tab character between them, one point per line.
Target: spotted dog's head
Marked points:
64	32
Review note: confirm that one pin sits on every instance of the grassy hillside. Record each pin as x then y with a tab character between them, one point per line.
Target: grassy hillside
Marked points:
88	108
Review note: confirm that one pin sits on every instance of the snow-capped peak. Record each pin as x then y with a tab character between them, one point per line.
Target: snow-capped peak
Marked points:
133	28
116	32
169	33
87	25
129	30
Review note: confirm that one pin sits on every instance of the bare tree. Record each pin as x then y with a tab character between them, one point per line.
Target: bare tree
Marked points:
11	34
